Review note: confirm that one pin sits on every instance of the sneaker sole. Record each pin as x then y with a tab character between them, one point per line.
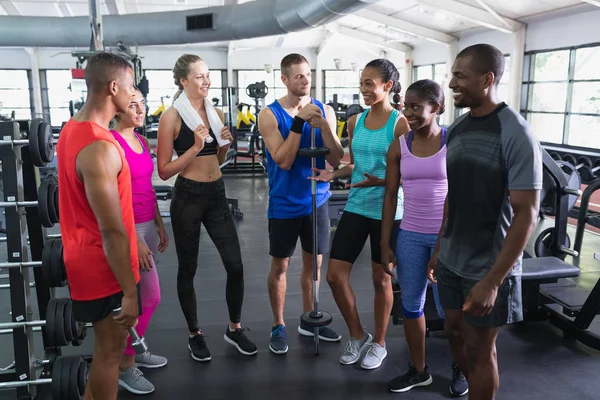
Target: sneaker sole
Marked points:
374	366
360	352
278	351
233	343
196	358
458	394
406	389
150	366
132	390
304	332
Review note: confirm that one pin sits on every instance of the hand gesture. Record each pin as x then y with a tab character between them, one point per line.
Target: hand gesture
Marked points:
322	175
371	180
200	135
431	268
317	121
164	239
226	135
127	315
309	111
481	299
145	256
387	258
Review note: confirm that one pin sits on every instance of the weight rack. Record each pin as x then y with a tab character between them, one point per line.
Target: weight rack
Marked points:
22	228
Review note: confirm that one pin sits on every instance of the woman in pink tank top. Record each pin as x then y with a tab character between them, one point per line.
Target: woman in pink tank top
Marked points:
151	236
417	160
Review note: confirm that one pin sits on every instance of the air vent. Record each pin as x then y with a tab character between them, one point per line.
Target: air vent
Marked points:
199	22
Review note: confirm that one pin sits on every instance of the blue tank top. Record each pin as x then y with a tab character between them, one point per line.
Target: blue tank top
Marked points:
290	191
369	149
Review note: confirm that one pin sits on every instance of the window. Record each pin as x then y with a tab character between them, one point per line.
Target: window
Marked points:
345	84
248	77
437	73
15	94
563	102
61	90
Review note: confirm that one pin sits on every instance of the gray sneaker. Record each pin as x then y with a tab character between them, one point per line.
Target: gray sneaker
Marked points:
374	357
133	380
354	348
149	360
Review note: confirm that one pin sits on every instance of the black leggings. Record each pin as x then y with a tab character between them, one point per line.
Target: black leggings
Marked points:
196	203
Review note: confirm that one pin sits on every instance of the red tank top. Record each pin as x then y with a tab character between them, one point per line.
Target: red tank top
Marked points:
88	272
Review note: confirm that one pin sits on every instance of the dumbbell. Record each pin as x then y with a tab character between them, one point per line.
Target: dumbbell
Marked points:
587	169
138	343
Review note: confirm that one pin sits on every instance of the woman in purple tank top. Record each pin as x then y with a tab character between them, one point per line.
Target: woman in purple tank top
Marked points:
417	160
151	237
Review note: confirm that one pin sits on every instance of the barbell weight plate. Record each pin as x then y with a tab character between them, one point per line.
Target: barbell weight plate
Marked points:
51	321
544	242
43	204
52	206
56	204
34	143
74	379
57	374
59	323
47	263
585	160
65	378
58	266
69	325
570	158
84	373
313	152
46	141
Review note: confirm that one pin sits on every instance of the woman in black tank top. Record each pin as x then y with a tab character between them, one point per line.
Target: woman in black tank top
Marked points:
199	198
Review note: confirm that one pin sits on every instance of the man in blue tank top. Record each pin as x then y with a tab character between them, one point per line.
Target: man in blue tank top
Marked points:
286	126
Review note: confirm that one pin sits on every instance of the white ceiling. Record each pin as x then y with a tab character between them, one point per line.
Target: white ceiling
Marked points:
393	23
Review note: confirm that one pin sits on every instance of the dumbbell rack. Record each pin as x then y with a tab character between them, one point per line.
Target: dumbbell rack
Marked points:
19	180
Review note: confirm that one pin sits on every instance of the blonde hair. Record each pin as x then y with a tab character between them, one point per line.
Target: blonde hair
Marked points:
182	69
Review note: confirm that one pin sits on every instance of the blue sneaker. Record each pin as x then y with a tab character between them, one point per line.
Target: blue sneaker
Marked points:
325	333
278	342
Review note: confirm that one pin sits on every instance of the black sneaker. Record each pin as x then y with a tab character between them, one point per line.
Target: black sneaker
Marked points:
459	386
410	379
239	339
198	348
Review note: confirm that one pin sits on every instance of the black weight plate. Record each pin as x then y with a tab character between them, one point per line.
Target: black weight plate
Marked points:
43	206
65	378
56	204
544	242
51	322
83	375
46	141
57	375
58	268
73	393
59	323
313	152
34	144
52	206
69	325
324	320
47	263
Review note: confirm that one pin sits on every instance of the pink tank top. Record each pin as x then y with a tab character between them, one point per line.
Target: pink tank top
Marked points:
142	167
425	185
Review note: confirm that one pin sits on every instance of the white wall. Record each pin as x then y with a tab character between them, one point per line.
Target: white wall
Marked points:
542	34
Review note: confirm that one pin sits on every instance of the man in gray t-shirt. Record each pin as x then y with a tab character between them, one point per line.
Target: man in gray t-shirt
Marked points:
494	167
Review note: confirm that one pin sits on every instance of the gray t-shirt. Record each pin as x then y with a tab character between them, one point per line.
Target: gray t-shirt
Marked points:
486	157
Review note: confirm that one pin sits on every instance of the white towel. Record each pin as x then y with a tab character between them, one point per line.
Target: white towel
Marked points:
192	119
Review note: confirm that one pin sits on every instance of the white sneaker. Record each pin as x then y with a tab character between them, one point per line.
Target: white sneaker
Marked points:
376	353
354	349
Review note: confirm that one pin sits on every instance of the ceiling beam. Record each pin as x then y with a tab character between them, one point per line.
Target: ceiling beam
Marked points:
472	14
405	26
115	7
369	38
593	2
493	13
10	7
326	41
278	42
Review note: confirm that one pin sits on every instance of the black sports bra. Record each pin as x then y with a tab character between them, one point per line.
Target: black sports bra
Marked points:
185	140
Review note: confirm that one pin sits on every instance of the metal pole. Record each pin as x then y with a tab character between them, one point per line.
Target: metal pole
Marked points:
16	325
21	264
18	203
313	162
97	42
8	385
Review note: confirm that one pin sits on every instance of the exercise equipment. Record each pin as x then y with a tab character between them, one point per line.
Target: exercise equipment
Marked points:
138	343
584	216
40	142
48	201
549	189
53	268
588	170
315	318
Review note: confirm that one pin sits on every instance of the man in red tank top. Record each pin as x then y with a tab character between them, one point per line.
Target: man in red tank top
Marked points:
96	220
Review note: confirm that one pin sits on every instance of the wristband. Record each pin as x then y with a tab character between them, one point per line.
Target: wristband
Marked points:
297	125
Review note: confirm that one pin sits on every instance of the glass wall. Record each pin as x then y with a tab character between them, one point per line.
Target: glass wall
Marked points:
15	93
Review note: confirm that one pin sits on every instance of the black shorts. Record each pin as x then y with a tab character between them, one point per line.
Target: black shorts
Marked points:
284	233
453	291
97	310
351	236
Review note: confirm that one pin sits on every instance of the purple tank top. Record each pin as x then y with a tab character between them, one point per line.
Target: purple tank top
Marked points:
142	167
425	185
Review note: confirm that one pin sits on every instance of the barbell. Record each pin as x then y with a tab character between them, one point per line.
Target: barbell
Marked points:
69	378
53	267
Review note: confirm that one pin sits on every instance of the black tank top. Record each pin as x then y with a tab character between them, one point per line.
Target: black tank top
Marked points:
185	140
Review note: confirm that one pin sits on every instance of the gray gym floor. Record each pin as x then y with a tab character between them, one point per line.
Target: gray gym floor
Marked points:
535	361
